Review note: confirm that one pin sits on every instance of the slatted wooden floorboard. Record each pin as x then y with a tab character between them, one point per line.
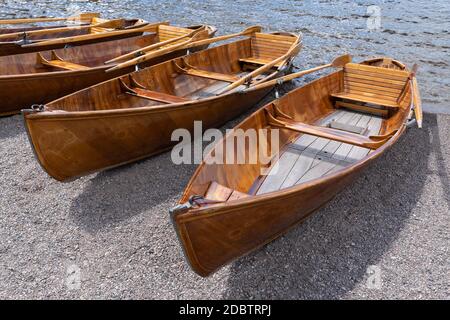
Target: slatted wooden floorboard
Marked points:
311	157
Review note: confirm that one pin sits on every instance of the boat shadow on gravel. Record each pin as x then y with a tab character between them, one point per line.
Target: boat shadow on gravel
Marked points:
330	253
116	195
11	126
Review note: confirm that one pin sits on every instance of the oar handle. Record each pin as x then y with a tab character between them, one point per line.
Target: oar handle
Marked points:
295	48
154	46
338	62
192	42
247	31
151	55
288	77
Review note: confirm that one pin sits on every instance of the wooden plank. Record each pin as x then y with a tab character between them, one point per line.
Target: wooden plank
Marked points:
379	70
158	96
379	112
211	75
304	162
357	153
342	151
373	79
332	146
372	86
275	37
65	65
366	99
305	140
218	192
257	61
380	95
273	181
236	195
322	168
347	127
357	88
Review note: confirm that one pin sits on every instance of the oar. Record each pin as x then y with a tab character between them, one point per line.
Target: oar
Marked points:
86	37
338	62
246	32
292	51
82	17
154	54
112	24
416	102
154	46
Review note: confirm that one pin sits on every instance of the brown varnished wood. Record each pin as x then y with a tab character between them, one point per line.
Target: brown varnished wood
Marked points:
11	41
25	81
214	234
105	126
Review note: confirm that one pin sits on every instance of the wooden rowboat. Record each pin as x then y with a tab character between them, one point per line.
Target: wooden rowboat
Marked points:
133	117
38	78
90	28
330	130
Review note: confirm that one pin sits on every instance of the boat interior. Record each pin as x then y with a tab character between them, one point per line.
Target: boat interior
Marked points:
324	127
200	75
87	56
9	35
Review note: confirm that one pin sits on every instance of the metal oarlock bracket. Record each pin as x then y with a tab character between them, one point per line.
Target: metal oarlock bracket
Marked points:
411	123
36	108
277	86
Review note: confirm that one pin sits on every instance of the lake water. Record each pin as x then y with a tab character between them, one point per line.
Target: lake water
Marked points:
411	31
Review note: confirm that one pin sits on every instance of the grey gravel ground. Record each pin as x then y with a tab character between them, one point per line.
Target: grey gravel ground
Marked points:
113	230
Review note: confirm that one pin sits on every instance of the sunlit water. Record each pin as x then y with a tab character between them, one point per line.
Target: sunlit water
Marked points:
411	31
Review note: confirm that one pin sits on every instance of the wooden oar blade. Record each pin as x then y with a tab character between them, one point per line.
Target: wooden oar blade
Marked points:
341	61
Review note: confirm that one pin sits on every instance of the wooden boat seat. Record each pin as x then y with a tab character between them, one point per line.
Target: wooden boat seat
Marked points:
258	61
220	193
362	108
140	91
371	142
268	47
193	71
211	75
168	32
373	85
57	62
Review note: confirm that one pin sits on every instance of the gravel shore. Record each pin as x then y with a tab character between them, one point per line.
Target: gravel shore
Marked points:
112	232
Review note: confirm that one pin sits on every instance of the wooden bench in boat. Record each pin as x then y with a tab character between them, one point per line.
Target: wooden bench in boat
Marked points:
211	75
268	47
373	85
345	136
220	193
140	91
59	63
193	71
362	108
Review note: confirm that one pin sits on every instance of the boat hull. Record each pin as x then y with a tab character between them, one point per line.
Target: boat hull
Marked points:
212	235
71	145
22	91
213	238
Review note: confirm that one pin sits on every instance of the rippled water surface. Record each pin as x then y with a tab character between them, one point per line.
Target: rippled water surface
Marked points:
411	31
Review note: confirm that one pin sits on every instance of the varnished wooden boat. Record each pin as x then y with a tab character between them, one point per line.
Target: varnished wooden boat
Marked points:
330	130
38	78
133	117
85	29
